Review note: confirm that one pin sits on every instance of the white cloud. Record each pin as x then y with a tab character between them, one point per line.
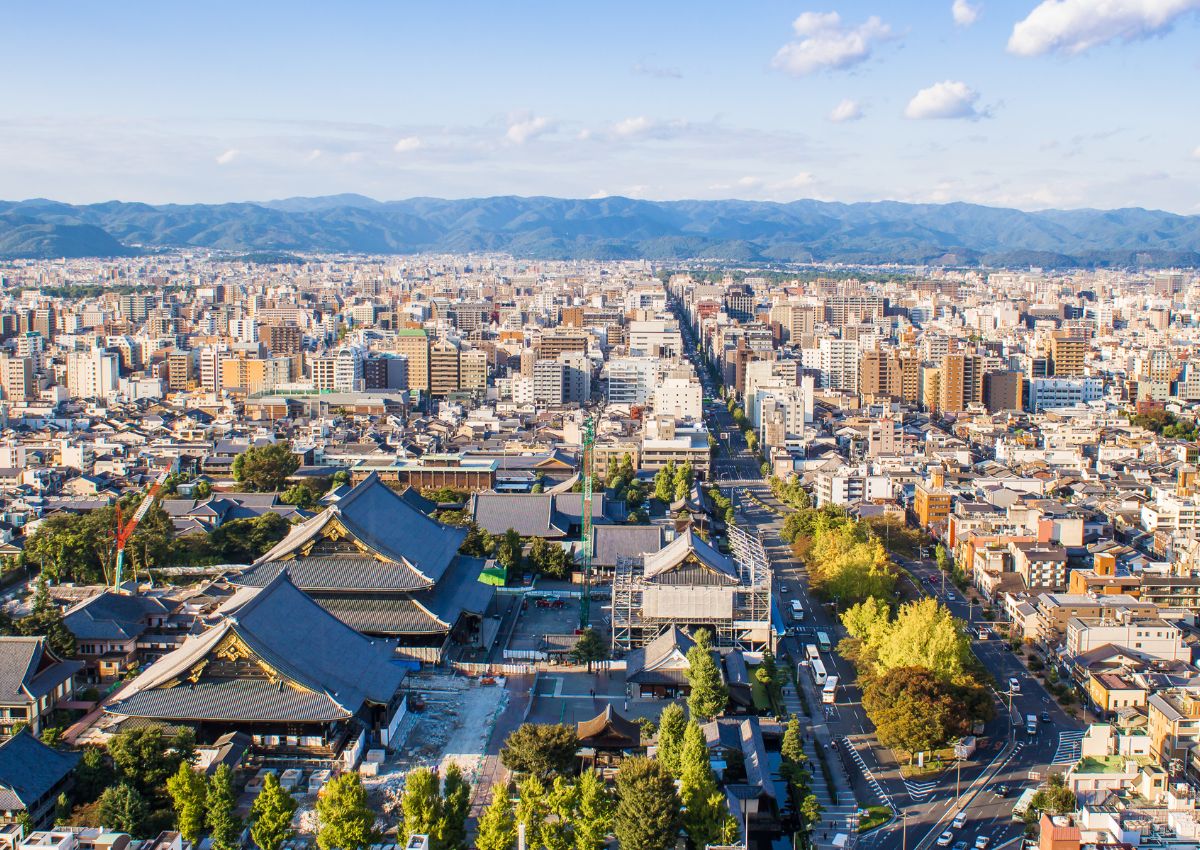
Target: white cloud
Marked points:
227	157
964	13
824	43
313	155
407	144
947	99
633	126
749	182
1073	26
659	71
597	195
1196	152
801	180
847	110
524	126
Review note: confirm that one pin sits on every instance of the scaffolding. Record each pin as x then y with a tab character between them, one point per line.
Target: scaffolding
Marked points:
747	627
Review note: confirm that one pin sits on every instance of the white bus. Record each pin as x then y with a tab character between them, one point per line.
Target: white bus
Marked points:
823	642
818	671
829	692
797	610
811	654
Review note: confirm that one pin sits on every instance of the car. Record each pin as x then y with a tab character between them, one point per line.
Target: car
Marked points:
982	842
945	839
1045	717
783	588
1002	790
950	597
960	845
1014	685
960	820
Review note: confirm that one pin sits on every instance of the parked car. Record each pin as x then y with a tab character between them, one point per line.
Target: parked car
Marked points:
945	839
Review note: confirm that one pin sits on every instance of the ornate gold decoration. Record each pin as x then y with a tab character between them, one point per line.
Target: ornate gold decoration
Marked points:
232	648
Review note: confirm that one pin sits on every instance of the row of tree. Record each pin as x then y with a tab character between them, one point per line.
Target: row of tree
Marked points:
673	483
544	557
846	560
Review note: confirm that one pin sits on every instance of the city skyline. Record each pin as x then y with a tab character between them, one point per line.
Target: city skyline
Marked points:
1037	105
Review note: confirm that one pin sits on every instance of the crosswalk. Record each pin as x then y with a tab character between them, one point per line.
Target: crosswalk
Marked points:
1067	751
867	774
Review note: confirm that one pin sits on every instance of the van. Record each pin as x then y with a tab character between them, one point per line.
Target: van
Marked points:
1031	724
1014	685
960	820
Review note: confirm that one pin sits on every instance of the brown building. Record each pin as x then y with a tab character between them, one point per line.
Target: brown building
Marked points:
1003	391
413	343
16	379
443	368
1058	833
284	340
181	371
555	343
1068	354
932	501
893	375
960	382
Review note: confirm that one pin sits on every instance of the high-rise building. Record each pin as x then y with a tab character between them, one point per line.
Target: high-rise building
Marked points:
92	374
839	364
283	340
386	372
960	382
413	343
443	368
16	379
1068	355
181	370
472	369
549	382
1003	390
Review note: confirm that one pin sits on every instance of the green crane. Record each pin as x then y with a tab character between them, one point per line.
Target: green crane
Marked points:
586	462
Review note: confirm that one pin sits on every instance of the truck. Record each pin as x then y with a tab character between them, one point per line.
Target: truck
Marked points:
1031	726
1023	803
965	748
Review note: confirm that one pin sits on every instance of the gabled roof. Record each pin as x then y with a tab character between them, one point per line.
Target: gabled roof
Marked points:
548	515
29	670
317	668
662	661
29	770
670	565
387	525
609	730
112	616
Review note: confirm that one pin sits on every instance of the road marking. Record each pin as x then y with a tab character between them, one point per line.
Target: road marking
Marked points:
1068	749
867	774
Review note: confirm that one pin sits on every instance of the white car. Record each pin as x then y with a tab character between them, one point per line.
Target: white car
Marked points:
960	820
982	842
945	839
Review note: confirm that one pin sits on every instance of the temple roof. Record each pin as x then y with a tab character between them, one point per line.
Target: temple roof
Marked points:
296	662
384	526
609	730
689	560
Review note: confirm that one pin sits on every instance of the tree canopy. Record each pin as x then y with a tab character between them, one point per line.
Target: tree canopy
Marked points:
648	809
265	468
344	820
540	749
913	710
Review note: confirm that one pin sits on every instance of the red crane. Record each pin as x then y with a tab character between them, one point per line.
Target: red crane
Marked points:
124	532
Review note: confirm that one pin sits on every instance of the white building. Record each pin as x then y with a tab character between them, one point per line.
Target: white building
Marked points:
632	380
655	338
680	397
92	374
849	485
1149	636
1049	393
838	359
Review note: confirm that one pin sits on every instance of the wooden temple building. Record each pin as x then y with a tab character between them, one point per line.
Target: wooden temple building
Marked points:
278	667
381	566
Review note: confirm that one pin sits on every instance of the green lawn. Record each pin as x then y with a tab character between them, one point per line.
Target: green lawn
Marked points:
876	816
758	693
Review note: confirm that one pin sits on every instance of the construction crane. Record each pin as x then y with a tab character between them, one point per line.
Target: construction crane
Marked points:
586	463
125	531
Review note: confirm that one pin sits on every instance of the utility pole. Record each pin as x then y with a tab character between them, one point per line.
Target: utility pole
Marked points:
957	775
903	830
586	464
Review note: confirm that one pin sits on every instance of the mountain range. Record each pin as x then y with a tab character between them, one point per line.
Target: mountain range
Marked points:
956	234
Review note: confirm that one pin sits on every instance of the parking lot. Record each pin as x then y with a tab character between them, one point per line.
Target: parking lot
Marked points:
548	616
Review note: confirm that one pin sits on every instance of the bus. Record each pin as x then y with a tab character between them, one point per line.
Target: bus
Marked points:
1022	804
829	692
811	654
823	642
797	610
818	671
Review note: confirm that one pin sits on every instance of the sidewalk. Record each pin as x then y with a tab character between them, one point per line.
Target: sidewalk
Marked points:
834	816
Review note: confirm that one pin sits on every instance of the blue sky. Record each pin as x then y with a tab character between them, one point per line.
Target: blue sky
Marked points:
1062	103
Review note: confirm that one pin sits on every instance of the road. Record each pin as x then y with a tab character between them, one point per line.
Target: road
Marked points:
926	808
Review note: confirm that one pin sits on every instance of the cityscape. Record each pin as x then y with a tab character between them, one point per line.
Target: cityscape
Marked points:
831	483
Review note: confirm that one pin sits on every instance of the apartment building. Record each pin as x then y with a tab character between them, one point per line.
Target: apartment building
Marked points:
1150	637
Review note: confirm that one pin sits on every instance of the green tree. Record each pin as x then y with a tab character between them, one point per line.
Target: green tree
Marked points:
664	482
709	694
93	774
561	803
682	480
421	803
271	813
188	791
497	829
300	495
540	749
1054	798
146	759
245	540
792	749
122	808
925	634
942	559
46	620
265	468
589	649
456	806
810	815
912	709
508	550
671	726
478	543
342	476
703	803
594	812
647	816
223	823
344	820
533	807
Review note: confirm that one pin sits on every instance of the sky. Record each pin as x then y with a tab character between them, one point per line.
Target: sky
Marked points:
1019	103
